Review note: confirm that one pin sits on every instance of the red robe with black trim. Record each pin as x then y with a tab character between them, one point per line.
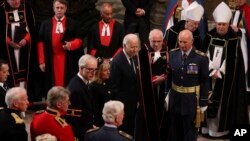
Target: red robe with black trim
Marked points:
55	57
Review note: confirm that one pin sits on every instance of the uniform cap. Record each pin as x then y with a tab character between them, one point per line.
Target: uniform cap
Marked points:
222	13
194	11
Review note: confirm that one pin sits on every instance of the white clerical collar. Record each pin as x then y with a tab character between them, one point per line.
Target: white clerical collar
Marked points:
1	84
59	20
110	125
84	80
59	26
105	29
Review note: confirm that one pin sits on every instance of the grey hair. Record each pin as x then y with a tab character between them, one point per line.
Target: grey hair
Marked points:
13	94
56	94
154	32
111	109
130	37
82	61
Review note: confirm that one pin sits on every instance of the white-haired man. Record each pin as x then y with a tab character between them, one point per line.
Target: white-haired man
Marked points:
123	74
112	113
12	124
80	113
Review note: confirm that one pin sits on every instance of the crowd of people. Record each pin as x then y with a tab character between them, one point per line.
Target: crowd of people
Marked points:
133	83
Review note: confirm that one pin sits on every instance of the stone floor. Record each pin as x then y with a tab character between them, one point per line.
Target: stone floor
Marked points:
29	115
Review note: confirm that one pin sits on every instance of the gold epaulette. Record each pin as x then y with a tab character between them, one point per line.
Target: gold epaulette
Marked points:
200	53
61	121
39	111
126	135
92	130
174	49
17	118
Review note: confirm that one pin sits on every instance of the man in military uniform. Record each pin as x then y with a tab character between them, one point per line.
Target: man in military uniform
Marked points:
188	77
112	113
50	121
194	13
12	124
228	102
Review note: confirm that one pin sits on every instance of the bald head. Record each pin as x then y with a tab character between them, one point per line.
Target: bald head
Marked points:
185	40
106	12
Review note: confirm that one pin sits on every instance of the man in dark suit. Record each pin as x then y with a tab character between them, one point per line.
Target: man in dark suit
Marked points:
80	112
136	19
4	73
123	75
105	37
112	113
188	76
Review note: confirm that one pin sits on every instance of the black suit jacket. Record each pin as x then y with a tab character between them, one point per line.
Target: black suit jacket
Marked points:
125	83
2	97
80	99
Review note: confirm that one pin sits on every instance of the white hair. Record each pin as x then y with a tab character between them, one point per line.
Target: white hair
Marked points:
129	37
155	32
13	94
46	137
111	109
82	61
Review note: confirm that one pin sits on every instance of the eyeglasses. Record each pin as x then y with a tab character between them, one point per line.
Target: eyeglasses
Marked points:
91	69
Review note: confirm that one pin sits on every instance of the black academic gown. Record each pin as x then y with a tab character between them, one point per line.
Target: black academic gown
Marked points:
94	41
71	58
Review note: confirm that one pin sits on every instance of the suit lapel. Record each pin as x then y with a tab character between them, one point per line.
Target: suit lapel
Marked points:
128	66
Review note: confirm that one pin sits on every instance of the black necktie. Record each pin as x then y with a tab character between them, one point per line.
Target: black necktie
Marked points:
132	63
184	57
5	86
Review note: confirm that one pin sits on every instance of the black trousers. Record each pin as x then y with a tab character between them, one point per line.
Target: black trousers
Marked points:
182	127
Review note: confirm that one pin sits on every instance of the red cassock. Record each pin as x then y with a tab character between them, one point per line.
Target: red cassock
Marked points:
49	121
58	52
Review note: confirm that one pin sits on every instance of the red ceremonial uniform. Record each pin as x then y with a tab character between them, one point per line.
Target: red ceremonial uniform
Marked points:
50	122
